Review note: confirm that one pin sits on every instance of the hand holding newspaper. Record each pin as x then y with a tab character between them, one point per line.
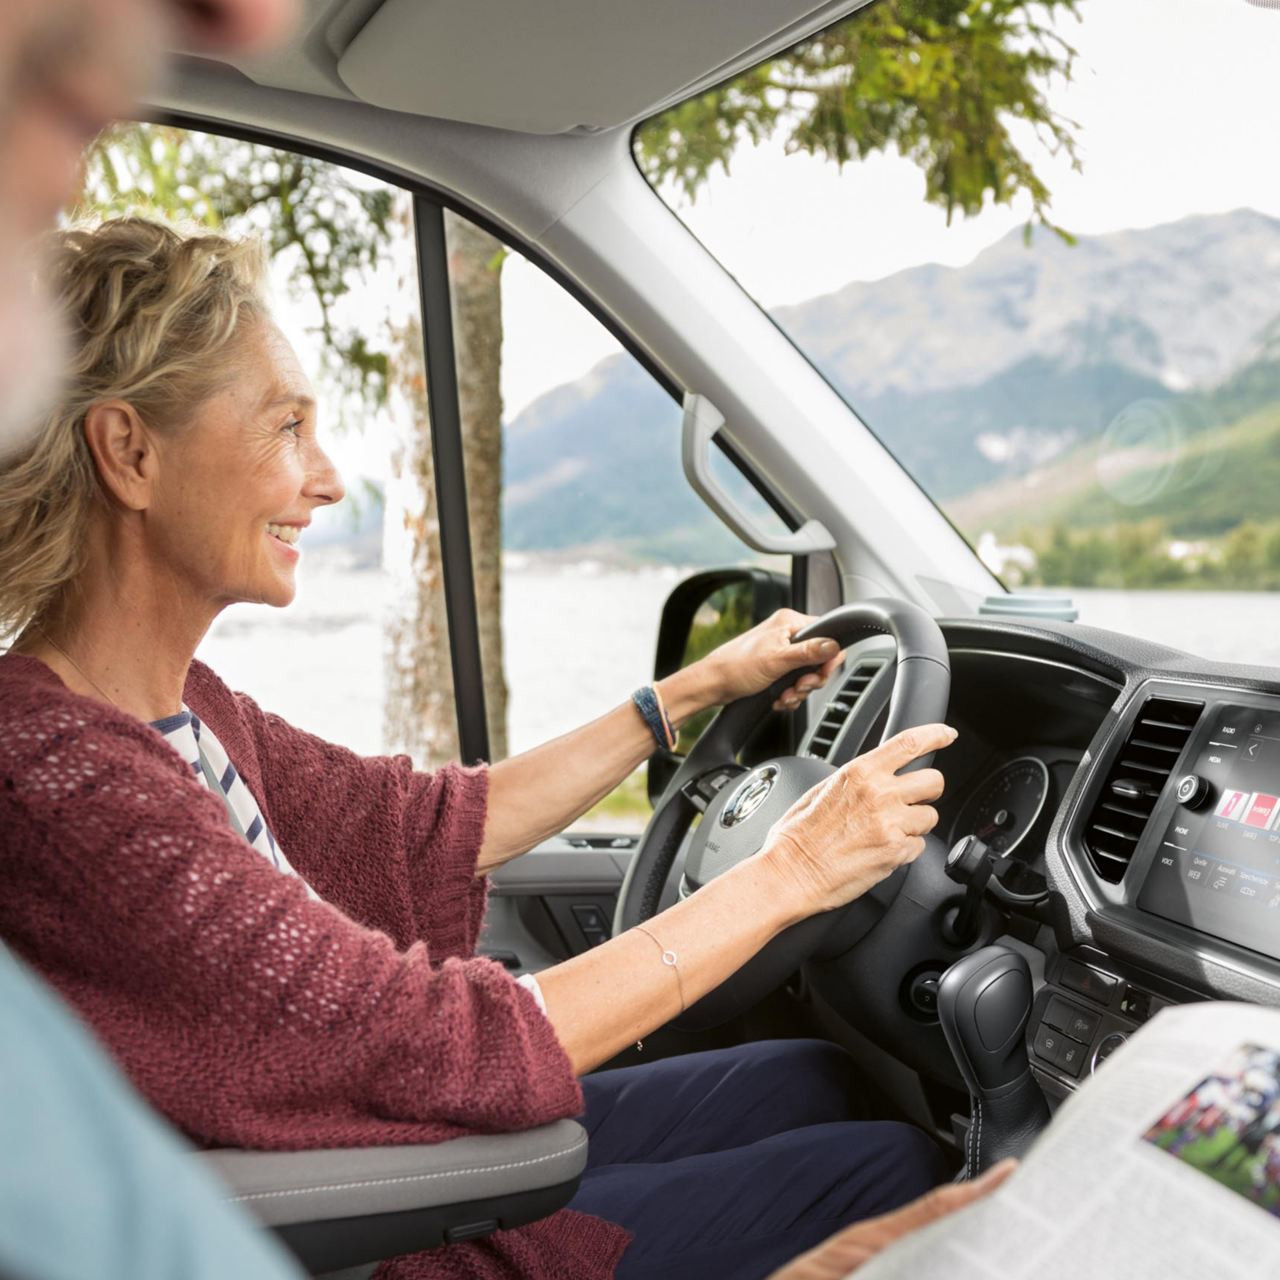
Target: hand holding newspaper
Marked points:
1165	1166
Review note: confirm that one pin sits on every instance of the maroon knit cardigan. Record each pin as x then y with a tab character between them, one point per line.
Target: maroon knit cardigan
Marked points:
248	1013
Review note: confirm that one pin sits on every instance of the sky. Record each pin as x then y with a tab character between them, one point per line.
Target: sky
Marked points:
1178	114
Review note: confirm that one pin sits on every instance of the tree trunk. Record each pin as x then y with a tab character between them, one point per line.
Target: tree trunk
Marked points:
475	278
419	713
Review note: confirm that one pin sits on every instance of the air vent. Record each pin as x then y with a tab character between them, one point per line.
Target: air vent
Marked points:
835	715
1133	786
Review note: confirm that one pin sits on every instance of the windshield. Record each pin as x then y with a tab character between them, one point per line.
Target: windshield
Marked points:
1036	246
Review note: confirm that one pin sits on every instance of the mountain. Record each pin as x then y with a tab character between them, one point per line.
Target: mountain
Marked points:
593	467
1177	303
1197	463
976	377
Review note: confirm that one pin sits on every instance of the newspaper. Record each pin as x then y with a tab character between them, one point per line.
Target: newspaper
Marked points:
1165	1166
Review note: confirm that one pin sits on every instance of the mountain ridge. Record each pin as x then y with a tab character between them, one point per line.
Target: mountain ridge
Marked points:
973	376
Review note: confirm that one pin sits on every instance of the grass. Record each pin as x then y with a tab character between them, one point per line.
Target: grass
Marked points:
1201	489
625	809
1204	1152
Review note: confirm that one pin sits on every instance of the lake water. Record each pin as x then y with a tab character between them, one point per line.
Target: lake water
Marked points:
581	637
573	647
1227	626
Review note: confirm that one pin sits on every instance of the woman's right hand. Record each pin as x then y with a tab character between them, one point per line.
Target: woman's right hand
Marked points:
863	822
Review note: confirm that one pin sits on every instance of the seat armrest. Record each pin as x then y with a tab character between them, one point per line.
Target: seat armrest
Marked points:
343	1207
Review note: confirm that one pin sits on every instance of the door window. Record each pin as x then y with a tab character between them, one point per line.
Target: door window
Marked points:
582	520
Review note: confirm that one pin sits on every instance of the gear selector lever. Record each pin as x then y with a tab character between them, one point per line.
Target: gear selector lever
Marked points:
984	1002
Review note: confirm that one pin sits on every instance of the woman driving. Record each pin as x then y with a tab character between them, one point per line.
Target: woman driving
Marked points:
275	936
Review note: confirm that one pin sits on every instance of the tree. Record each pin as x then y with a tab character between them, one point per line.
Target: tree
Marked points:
475	278
420	707
939	81
303	208
1243	552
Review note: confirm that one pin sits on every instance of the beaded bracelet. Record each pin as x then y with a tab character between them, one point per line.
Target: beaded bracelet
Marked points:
648	702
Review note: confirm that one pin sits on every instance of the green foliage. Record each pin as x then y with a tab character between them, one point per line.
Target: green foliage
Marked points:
307	211
939	81
1200	487
1140	554
625	808
724	614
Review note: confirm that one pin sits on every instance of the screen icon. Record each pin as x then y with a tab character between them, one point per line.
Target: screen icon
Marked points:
1261	811
1233	805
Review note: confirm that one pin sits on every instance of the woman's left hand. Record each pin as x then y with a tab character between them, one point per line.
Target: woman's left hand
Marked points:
755	659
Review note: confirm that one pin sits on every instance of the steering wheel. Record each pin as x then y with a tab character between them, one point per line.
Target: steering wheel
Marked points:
738	806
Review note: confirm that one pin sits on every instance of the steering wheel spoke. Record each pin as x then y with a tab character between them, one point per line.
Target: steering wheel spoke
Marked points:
702	790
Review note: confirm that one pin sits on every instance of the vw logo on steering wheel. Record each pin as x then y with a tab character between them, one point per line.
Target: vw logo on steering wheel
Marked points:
749	796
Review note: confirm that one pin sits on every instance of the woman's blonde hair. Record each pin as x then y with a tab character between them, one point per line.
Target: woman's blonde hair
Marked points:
151	315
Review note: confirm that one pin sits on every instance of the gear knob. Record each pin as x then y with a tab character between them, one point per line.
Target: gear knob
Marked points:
984	1002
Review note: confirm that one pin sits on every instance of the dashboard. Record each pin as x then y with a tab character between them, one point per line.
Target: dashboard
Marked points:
1141	783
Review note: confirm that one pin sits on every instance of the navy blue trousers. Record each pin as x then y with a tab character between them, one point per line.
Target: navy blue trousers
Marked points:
725	1165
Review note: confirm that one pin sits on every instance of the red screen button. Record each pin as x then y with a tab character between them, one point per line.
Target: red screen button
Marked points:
1260	811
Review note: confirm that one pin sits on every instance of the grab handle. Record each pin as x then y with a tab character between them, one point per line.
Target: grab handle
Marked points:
701	422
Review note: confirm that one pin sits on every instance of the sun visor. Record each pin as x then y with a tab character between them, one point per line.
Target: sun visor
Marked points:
566	64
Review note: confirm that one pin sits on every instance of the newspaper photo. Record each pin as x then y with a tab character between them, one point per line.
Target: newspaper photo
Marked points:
1165	1165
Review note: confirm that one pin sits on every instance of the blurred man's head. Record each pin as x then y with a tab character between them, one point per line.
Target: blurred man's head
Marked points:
67	67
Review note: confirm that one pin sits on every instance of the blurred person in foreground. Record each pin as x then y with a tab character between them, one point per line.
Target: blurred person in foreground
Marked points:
91	1183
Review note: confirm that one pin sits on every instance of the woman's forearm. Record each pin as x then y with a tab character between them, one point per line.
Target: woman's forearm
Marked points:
538	793
617	993
839	839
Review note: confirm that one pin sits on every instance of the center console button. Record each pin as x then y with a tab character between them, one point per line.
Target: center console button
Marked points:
1071	1058
1047	1043
1135	1004
1106	1048
1088	982
1193	791
1082	1026
1079	1024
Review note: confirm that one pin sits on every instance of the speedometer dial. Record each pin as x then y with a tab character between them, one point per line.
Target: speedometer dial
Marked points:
1005	805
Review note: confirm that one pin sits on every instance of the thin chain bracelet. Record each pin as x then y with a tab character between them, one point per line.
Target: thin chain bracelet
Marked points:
672	961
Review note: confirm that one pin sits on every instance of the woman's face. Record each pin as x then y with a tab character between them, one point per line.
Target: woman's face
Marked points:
238	482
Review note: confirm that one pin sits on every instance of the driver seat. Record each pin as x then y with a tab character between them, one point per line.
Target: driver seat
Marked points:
342	1211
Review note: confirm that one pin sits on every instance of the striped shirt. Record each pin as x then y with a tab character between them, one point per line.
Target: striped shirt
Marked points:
197	744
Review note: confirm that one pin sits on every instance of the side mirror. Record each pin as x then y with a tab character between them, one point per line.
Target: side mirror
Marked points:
702	613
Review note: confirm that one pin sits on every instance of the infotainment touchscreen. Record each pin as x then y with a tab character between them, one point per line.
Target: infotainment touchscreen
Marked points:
1218	865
